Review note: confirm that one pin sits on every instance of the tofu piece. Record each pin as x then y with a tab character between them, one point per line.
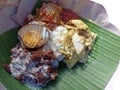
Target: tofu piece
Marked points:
78	43
71	62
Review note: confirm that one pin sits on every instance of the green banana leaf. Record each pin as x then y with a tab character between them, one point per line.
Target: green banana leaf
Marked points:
93	75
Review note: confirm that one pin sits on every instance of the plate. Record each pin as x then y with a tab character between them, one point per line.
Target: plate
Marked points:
93	75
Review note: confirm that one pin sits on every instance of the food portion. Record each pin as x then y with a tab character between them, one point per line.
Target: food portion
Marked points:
69	15
33	67
51	36
74	40
33	36
49	13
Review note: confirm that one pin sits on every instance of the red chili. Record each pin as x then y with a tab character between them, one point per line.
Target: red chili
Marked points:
69	15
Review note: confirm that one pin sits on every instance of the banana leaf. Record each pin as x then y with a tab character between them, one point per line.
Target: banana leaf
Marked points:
93	75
